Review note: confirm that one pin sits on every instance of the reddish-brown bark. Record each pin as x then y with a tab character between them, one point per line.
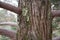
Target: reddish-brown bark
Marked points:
7	33
55	13
10	7
38	27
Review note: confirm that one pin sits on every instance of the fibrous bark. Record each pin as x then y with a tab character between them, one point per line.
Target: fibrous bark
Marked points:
38	24
36	21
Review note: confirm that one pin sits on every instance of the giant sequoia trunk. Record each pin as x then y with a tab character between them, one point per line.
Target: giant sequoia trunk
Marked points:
35	20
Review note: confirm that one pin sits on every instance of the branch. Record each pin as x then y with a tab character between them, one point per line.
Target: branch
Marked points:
10	7
9	23
55	13
8	33
56	38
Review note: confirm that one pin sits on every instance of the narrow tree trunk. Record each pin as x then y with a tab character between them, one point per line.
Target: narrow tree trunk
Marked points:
35	20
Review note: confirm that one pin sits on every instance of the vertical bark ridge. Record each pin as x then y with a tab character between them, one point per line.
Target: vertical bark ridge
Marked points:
38	27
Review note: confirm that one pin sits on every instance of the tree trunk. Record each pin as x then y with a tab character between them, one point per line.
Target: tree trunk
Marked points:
35	21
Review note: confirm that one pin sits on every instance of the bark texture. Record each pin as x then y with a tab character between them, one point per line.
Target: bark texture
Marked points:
17	10
35	20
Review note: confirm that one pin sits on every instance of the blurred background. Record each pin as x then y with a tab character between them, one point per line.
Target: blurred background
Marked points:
8	19
55	5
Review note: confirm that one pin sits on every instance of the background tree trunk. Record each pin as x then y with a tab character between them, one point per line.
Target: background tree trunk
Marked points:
35	21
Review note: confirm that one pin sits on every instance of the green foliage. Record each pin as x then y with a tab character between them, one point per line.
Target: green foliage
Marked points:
13	28
54	1
58	19
54	24
56	27
4	18
4	38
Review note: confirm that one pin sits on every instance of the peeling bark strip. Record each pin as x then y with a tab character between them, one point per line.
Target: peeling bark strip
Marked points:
38	27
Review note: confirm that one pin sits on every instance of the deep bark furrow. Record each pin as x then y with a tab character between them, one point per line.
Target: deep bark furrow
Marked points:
39	21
